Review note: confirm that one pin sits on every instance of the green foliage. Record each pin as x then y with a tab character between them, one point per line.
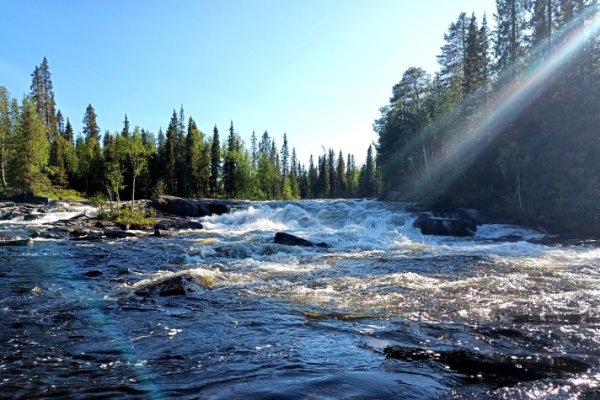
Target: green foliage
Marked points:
40	154
443	140
30	150
57	193
133	217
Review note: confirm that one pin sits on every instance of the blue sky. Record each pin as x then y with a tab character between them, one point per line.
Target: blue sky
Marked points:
318	70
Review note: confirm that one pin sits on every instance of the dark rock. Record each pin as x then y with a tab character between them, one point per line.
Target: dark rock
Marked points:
176	206
85	234
16	242
93	273
30	217
497	369
6	204
167	224
291	240
216	208
118	234
445	226
212	207
175	286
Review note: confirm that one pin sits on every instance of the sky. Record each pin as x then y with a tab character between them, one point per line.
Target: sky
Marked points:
317	70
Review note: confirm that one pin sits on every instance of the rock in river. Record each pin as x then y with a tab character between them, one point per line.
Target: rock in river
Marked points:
291	240
430	225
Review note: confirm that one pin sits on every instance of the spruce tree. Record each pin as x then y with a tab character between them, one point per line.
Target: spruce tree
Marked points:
229	164
169	155
215	163
7	130
69	135
125	131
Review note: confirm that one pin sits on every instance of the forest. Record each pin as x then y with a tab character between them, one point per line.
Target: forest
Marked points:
509	124
41	155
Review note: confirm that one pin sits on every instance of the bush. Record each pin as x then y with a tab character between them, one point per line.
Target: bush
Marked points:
127	216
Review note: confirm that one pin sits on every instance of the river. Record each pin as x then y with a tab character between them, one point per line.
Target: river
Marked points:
384	312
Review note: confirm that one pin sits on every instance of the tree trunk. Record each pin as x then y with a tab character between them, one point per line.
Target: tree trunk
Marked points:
133	194
519	188
2	167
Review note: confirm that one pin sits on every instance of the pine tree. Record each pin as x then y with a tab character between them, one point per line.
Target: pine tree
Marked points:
90	162
510	40
452	58
7	131
215	163
60	123
69	135
91	130
313	179
169	156
229	164
42	94
198	160
125	131
342	187
368	185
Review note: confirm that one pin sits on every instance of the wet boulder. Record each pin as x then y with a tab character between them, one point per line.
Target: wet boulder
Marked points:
15	242
118	234
431	225
291	240
176	206
178	285
177	224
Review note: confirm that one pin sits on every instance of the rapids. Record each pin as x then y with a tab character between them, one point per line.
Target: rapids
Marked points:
384	312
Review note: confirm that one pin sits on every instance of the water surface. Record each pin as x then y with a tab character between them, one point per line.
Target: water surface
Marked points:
385	312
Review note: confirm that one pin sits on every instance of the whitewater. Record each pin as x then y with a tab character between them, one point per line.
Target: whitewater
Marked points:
383	312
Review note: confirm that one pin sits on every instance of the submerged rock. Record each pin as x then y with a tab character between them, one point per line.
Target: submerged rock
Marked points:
498	369
93	273
291	240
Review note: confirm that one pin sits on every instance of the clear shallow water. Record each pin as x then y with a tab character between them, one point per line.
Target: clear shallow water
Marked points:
383	313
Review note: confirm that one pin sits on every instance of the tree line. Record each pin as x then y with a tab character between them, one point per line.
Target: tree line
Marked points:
40	154
509	123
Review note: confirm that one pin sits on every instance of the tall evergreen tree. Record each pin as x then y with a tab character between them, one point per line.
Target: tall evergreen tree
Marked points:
90	157
229	164
452	57
368	185
91	130
69	134
31	145
42	93
7	130
169	156
511	28
215	163
125	131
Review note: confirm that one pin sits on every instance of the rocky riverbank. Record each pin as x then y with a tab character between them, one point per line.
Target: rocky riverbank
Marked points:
79	221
